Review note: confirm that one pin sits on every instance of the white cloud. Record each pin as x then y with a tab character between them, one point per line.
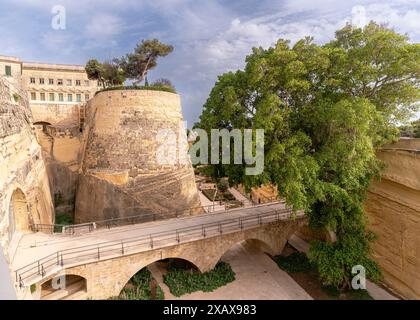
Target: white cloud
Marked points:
103	26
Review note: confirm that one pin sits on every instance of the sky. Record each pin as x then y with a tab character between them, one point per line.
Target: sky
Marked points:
210	37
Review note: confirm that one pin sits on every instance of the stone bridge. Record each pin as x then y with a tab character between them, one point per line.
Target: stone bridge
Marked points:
105	260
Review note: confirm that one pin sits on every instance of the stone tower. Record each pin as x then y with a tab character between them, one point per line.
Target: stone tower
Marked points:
120	173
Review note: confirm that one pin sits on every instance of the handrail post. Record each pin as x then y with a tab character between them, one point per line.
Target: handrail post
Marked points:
203	230
151	242
99	255
122	247
62	260
177	236
42	271
220	228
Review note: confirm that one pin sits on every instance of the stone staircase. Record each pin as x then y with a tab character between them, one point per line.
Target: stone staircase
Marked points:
156	182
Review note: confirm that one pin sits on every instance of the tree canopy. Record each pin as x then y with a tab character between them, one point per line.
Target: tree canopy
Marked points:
324	111
137	64
108	73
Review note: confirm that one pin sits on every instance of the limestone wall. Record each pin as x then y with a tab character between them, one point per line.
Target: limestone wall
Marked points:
120	172
393	208
24	189
62	154
56	114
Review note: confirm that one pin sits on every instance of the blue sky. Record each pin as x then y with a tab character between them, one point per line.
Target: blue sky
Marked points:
210	36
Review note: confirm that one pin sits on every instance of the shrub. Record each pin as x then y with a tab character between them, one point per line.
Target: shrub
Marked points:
181	281
139	287
154	87
295	262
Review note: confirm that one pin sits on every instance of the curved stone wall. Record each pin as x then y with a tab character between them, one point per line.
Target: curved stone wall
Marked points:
120	173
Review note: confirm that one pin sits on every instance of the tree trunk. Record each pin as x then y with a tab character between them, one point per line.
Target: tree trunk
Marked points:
143	75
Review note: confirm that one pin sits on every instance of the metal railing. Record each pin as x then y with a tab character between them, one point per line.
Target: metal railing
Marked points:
116	222
105	250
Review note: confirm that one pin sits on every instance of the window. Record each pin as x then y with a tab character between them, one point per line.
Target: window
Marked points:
60	97
78	97
69	97
41	81
42	96
32	80
51	97
33	95
87	97
69	82
60	82
87	83
50	81
8	70
77	82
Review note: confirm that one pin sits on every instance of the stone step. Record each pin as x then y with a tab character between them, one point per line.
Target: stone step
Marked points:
158	184
79	295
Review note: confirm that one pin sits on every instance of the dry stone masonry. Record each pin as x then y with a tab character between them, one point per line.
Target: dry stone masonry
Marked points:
120	175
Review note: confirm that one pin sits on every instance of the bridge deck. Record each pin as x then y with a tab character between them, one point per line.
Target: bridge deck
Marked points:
34	246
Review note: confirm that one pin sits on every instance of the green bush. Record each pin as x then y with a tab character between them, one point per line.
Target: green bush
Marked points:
223	186
181	281
153	87
139	288
64	219
295	262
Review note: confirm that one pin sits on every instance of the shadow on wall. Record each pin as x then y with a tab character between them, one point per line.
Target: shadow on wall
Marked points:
7	292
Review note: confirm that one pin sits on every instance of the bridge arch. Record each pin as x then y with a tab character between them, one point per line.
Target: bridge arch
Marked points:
19	216
63	286
42	125
136	267
265	244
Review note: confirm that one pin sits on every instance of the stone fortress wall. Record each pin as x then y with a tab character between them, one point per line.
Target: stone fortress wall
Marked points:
24	187
119	165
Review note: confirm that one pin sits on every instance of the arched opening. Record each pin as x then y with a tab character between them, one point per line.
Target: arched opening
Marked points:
42	124
64	287
19	216
147	283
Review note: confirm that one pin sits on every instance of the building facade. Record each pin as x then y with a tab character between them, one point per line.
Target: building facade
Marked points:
56	92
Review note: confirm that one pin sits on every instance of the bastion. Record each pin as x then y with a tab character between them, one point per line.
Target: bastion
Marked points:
120	173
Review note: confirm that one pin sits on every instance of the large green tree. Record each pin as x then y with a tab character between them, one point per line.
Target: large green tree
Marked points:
107	74
137	64
324	111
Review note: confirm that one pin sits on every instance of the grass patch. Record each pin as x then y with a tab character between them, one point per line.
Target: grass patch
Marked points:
181	281
138	287
134	87
221	196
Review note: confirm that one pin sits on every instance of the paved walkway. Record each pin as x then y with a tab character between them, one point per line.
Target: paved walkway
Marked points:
205	202
33	246
239	196
257	278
